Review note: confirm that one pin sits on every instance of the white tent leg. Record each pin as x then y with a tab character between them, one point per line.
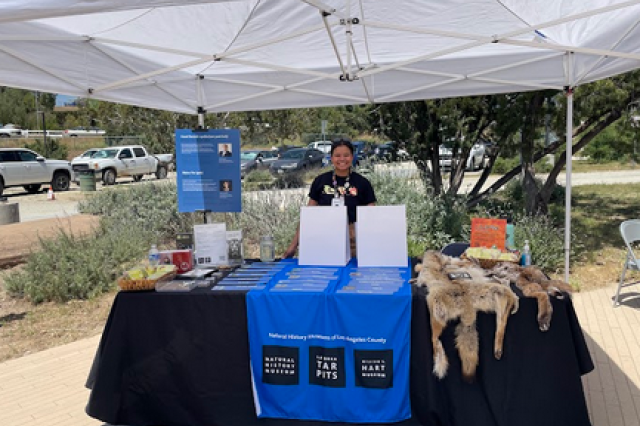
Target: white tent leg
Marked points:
567	212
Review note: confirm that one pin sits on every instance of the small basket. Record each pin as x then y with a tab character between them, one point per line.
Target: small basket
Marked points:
488	263
144	284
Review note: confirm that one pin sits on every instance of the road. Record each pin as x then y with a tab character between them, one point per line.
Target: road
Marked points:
36	207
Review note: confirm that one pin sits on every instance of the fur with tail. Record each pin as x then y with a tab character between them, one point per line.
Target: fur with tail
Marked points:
459	298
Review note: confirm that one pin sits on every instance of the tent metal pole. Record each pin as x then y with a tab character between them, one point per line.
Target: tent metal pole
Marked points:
161	71
567	201
348	34
573	49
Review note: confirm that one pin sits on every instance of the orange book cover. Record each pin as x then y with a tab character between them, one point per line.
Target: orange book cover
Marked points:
488	232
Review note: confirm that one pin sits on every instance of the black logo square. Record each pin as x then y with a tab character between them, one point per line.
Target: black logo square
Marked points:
326	367
374	369
280	365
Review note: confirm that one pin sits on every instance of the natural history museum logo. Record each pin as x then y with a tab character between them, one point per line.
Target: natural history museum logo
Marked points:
280	365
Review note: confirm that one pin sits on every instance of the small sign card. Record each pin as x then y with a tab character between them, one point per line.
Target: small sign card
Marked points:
488	232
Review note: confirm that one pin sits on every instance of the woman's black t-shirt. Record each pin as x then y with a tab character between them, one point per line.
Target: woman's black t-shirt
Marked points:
359	193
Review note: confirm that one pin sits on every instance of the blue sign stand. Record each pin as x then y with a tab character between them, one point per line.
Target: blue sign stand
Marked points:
208	166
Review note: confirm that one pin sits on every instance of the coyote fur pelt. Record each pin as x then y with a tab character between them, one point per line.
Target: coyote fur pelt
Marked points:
452	296
533	283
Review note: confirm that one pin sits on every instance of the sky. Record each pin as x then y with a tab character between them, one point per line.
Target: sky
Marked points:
62	99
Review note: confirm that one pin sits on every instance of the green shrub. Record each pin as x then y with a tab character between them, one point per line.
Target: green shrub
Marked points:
504	165
289	180
546	241
259	176
71	267
53	149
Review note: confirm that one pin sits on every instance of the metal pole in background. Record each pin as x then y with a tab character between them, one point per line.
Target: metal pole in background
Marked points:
567	201
44	136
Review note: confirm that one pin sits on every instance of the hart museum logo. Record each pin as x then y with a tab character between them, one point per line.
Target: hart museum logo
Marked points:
280	365
374	369
326	367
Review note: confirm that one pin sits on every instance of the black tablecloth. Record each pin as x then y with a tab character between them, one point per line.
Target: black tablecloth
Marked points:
178	359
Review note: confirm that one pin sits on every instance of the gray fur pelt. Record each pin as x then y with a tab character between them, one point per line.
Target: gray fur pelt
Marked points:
458	289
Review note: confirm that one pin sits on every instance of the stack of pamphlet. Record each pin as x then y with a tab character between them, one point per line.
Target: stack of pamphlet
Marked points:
387	280
307	279
254	276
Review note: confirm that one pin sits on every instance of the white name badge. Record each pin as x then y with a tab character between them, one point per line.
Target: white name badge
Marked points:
337	202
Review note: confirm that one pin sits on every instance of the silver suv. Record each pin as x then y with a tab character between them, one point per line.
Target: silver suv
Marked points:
26	168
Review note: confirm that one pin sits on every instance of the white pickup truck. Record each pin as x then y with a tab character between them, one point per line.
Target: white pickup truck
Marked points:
117	161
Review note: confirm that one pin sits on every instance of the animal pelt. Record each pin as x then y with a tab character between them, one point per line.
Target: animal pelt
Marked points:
458	289
533	283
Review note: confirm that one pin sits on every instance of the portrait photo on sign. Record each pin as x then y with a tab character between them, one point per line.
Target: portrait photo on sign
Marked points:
225	185
224	150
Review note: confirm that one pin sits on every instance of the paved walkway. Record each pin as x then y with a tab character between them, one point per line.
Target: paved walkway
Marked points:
47	388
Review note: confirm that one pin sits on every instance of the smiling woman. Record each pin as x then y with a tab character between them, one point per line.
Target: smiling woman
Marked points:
340	187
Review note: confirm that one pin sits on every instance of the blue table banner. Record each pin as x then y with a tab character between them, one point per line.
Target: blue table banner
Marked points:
208	168
332	344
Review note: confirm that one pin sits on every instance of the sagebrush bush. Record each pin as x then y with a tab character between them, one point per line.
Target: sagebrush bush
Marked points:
289	180
259	176
546	241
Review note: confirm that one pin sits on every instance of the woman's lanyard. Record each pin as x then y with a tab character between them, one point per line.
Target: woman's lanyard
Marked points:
338	199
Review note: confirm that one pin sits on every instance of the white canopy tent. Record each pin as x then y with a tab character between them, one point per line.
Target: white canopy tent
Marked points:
234	55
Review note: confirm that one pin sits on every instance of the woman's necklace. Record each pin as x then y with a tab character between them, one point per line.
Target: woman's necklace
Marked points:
335	184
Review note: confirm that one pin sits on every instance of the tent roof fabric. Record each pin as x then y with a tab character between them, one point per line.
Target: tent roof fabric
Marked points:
270	54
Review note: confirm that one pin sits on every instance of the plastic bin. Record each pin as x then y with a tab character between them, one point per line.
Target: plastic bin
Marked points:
87	180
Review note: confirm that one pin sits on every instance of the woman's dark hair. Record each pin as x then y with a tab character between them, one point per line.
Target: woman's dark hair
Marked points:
341	142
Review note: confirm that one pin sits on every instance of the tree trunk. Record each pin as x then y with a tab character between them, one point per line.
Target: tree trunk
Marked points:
549	185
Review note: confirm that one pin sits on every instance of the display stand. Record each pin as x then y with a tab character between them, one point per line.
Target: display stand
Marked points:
324	236
381	235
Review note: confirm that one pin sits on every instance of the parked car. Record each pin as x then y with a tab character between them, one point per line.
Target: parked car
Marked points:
281	149
475	160
10	131
83	132
26	168
255	160
324	146
297	160
129	160
362	151
388	151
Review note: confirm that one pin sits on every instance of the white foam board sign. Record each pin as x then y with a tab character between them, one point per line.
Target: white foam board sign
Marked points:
324	236
381	236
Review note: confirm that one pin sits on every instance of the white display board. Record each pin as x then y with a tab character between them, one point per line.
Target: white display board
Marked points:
324	236
381	236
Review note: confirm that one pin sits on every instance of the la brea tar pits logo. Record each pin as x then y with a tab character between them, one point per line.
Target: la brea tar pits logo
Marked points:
374	369
280	365
326	366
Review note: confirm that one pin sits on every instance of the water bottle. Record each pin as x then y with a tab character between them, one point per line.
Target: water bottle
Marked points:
154	256
510	241
267	249
526	254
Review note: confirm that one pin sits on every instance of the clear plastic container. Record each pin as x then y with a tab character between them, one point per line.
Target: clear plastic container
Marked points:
267	249
154	255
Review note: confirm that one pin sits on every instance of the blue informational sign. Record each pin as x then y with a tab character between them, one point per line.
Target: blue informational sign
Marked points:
332	345
208	166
